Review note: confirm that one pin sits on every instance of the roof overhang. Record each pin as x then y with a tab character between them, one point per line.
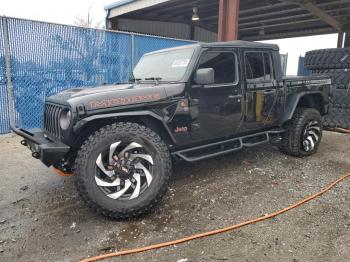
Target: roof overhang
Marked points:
258	19
126	6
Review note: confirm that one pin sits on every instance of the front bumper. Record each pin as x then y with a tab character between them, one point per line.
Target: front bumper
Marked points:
42	147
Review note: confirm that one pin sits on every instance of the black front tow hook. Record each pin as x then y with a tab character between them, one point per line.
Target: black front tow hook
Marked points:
35	155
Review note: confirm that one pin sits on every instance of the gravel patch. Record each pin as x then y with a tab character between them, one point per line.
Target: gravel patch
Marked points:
43	219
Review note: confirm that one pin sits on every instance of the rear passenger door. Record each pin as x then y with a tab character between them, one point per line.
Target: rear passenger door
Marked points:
261	90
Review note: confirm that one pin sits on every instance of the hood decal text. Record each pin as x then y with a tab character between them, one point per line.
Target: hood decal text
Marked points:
97	104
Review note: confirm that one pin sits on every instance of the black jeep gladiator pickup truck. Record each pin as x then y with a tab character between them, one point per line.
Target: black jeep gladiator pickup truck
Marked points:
187	103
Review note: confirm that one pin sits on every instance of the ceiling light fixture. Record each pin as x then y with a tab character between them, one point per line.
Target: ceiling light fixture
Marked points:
195	16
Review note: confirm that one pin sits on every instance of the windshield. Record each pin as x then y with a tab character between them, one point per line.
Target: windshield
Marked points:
164	66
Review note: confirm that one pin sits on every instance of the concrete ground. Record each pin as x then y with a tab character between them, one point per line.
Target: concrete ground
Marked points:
43	219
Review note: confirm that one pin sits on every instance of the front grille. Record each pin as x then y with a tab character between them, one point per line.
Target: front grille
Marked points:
51	119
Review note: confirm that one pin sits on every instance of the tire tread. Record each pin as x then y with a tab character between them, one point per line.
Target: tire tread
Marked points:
291	144
333	58
98	137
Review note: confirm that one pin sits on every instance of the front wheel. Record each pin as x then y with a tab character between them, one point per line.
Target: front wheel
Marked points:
303	133
122	170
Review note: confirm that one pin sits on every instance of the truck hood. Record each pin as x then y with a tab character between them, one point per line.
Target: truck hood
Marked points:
108	96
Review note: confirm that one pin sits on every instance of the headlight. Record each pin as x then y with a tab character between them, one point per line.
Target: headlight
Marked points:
65	119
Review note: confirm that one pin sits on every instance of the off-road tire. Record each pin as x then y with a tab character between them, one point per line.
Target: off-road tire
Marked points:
334	58
340	99
292	139
84	171
340	93
337	117
340	77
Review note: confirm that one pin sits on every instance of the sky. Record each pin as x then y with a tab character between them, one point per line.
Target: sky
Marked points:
297	46
66	12
56	11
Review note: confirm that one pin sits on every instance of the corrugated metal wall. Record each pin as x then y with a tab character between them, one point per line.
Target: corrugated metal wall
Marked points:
204	35
166	29
132	6
175	30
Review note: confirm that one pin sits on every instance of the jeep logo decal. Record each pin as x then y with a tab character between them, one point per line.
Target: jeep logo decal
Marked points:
123	101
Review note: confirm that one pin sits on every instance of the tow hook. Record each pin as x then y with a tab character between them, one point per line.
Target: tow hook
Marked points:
35	155
63	168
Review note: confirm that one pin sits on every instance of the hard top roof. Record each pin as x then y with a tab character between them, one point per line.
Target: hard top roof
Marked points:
237	43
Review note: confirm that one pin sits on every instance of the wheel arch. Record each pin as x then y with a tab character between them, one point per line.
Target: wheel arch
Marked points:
305	99
312	101
89	125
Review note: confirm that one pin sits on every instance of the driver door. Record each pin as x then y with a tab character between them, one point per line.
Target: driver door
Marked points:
218	105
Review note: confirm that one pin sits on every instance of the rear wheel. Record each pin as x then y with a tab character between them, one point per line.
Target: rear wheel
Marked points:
122	170
303	133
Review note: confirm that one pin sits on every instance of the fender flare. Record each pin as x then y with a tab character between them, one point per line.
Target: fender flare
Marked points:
83	122
292	103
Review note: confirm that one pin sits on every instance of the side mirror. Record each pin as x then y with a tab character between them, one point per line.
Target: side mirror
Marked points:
205	76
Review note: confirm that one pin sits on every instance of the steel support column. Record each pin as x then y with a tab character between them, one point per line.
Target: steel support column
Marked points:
192	31
228	20
10	98
340	40
347	39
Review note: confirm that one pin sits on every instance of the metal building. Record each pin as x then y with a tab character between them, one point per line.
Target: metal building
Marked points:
211	20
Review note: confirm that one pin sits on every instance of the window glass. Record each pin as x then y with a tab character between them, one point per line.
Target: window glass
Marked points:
223	63
258	66
268	69
167	66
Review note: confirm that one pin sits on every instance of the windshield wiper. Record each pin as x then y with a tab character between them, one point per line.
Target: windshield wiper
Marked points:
133	79
156	79
137	80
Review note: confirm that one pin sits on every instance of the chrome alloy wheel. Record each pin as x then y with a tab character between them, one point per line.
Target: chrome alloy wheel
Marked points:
311	135
124	171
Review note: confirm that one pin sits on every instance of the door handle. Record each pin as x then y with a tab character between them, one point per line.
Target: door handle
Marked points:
235	96
269	91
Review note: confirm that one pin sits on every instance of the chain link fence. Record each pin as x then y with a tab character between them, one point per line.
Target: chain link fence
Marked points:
48	58
4	114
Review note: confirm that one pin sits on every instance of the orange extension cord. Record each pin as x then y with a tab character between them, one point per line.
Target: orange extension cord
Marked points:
218	231
343	130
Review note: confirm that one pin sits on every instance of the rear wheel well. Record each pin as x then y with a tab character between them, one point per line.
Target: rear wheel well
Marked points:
312	101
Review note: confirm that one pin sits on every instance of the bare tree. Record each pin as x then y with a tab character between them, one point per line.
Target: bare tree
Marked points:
88	21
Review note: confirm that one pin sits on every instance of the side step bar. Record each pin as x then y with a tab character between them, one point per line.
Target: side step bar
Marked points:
223	147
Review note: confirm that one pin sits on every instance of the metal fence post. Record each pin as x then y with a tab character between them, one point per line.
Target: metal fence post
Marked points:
133	50
9	84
